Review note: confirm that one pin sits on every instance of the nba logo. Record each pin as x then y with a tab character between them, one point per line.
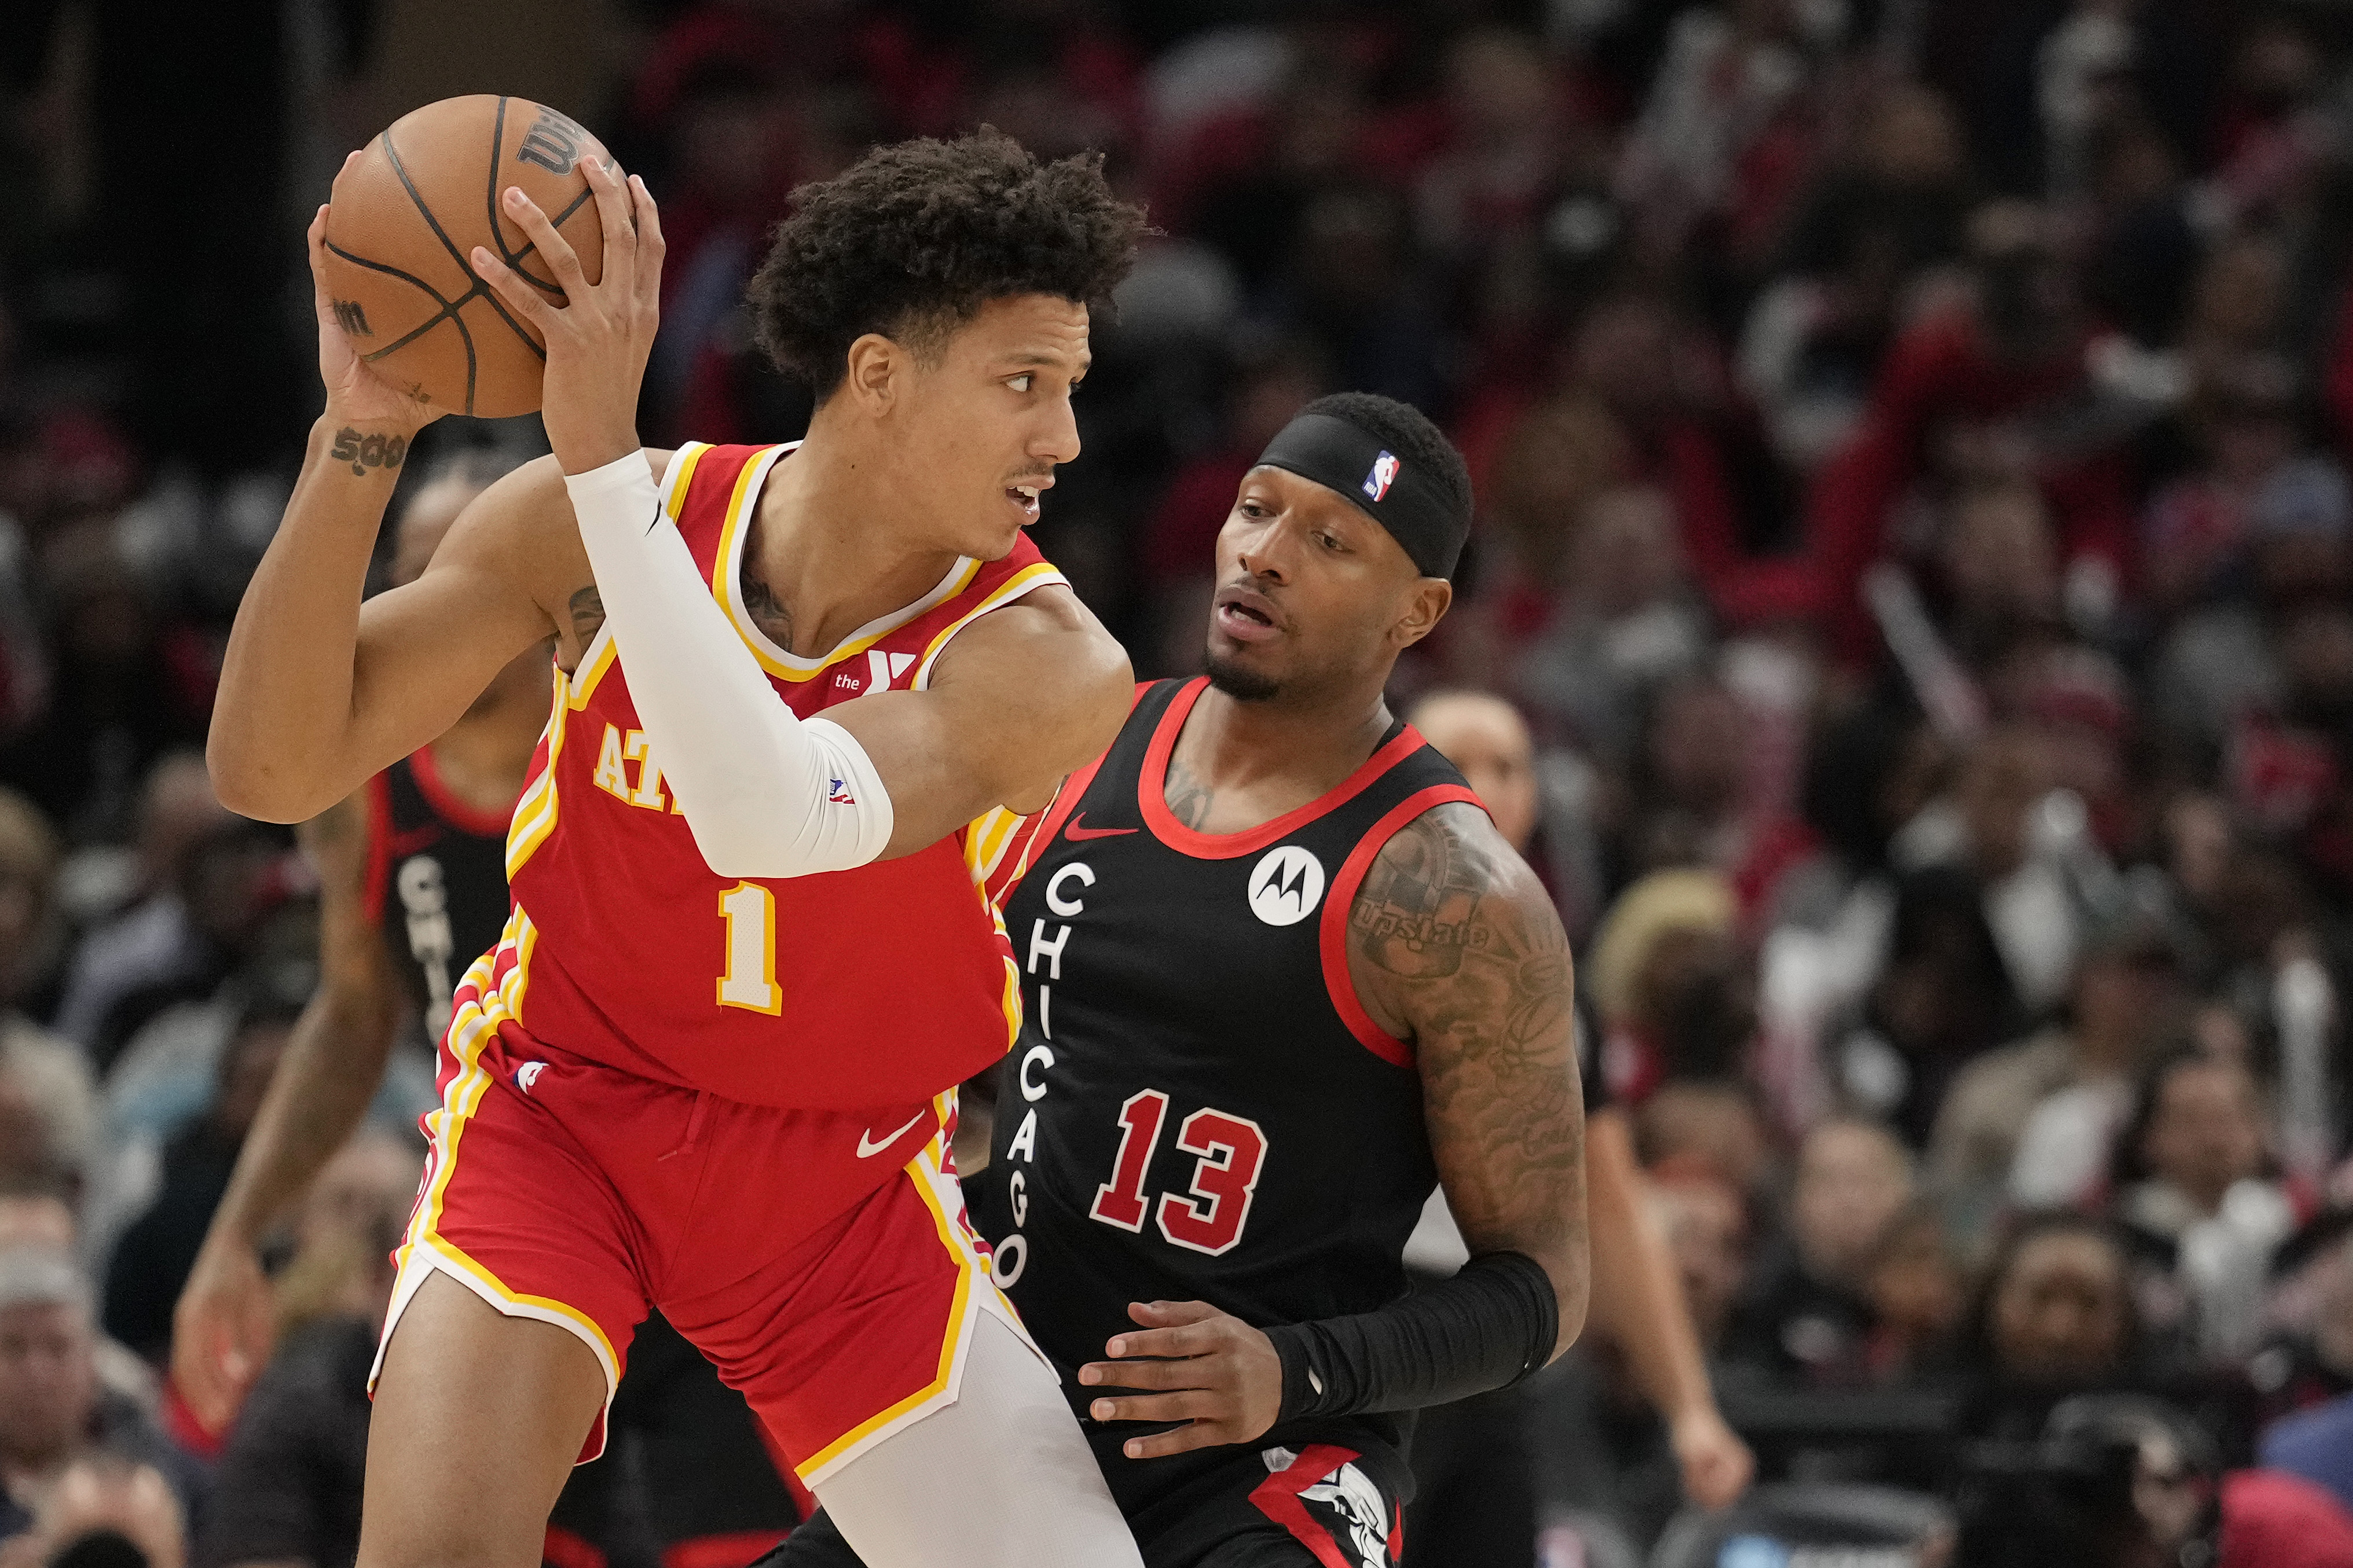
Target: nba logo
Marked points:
1384	469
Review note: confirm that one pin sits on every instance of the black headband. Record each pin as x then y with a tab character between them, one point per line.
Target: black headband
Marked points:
1411	504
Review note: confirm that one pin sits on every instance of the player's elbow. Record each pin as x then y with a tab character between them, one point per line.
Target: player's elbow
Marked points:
250	783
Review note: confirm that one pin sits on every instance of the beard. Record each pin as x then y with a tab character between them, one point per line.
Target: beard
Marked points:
1242	684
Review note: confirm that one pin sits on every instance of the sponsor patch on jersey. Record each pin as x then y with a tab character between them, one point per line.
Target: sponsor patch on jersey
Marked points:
1384	474
1286	885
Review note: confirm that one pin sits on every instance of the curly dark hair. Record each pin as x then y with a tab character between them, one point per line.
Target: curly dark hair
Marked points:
913	238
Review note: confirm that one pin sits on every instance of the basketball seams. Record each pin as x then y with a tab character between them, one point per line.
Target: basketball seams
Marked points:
392	154
515	259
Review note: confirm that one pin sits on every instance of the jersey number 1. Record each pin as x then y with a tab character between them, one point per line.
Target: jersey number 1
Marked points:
1231	1150
749	981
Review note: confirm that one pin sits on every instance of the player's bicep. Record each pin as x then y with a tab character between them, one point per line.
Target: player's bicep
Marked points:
1455	938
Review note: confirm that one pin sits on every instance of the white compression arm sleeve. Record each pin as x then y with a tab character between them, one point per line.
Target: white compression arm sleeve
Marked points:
765	794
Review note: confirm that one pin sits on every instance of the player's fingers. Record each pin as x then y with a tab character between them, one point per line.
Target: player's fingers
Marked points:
553	247
520	296
317	239
650	240
604	178
1191	1339
1179	1441
1192	1373
1182	1404
1168	1314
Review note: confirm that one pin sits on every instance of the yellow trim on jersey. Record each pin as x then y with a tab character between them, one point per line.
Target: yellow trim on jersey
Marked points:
1035	575
939	1194
986	839
727	587
535	815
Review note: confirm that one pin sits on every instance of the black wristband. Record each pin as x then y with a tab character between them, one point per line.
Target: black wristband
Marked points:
1490	1326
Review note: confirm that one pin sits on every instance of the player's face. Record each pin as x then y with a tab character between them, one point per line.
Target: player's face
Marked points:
1313	595
989	418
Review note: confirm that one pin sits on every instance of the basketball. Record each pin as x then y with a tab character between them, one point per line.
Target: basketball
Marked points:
404	219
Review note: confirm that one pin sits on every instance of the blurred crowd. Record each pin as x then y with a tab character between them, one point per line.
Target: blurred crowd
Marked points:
1910	590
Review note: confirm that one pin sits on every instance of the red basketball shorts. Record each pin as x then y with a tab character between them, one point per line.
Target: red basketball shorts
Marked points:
821	1259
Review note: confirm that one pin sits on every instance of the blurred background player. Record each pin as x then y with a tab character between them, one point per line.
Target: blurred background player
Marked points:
1284	975
412	890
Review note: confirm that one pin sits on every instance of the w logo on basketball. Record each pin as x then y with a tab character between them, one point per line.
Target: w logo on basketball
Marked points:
1384	470
351	319
1286	885
552	142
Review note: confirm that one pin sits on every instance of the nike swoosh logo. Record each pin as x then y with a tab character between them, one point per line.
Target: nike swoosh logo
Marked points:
869	1146
1075	831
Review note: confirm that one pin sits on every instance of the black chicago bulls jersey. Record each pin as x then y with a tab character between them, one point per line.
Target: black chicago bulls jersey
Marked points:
436	881
1199	1107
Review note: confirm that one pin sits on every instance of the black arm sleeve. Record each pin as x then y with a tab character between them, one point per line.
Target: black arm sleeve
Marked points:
1490	1326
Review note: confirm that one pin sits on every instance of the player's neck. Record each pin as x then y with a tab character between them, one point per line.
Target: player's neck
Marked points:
1261	759
823	557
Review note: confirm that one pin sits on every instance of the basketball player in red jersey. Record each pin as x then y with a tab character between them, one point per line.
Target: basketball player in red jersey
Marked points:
412	885
710	1066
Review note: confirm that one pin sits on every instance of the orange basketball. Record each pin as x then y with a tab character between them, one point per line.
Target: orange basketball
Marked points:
402	229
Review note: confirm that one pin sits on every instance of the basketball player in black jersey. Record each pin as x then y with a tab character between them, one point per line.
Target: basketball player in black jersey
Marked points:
1283	975
413	886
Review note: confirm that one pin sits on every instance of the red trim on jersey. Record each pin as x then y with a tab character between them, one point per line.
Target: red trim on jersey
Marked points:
1277	1497
1152	785
1333	935
459	813
379	848
731	1548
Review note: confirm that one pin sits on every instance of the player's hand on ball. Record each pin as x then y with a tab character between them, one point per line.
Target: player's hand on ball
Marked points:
1205	1367
598	341
356	394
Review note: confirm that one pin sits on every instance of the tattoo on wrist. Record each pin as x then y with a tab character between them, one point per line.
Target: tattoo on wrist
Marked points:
372	451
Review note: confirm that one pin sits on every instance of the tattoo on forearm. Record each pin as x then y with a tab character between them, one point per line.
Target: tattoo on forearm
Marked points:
371	451
1188	796
587	607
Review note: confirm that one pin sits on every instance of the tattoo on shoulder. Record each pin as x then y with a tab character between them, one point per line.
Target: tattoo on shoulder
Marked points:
1418	912
587	607
1189	795
1442	902
372	451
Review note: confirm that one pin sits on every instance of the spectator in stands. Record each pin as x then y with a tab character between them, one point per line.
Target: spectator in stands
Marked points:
212	878
287	1489
43	1074
54	1409
121	699
1624	621
2192	1196
103	1512
1706	1224
2053	1317
1987	1150
1916	1294
1979	388
152	1259
1807	1316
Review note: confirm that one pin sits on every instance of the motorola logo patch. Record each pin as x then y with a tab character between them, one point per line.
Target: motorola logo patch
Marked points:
1286	885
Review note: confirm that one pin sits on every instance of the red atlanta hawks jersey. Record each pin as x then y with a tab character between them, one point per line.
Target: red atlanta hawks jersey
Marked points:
882	984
